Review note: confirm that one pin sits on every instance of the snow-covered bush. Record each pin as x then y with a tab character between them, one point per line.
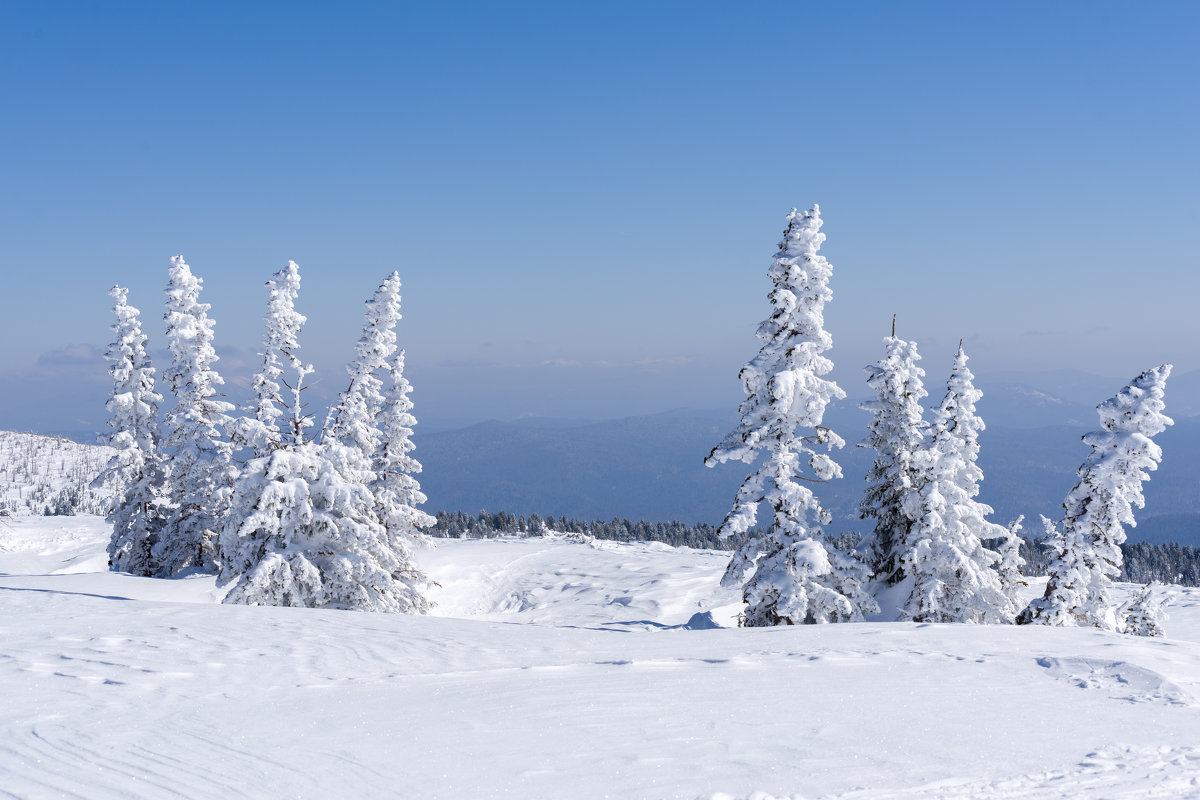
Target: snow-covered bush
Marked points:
1088	548
137	512
199	457
796	574
1145	613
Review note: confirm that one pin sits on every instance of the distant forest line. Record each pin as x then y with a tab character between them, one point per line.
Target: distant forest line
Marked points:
1170	562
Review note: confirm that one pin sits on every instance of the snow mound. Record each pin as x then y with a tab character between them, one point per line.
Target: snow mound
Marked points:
1118	679
568	580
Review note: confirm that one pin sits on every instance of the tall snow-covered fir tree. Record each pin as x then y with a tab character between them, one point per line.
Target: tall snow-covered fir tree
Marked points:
135	470
201	470
796	574
952	573
896	432
306	527
1088	548
354	419
264	432
397	491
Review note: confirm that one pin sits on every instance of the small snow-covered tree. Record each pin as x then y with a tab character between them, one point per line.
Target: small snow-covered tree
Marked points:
1012	582
1088	550
796	573
896	432
1071	565
952	573
397	491
201	470
354	419
136	513
263	431
1145	613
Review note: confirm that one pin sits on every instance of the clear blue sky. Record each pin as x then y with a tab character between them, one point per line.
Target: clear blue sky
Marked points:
582	198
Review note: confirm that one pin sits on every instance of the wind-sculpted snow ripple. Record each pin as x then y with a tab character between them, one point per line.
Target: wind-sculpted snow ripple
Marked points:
1113	772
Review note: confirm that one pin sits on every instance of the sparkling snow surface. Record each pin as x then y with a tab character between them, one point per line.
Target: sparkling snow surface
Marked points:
559	669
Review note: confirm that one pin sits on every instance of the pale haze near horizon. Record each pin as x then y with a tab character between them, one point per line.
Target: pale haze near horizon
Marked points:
583	202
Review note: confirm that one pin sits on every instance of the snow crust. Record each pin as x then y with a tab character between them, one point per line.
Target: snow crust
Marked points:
560	667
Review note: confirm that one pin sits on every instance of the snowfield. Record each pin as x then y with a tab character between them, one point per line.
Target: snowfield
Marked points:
559	668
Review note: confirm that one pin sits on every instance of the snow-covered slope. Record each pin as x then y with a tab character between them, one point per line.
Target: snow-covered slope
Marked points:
559	669
49	472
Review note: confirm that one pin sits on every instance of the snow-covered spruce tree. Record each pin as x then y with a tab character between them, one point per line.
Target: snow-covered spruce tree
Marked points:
263	431
1012	582
306	528
797	575
396	489
304	531
1088	549
952	573
134	470
201	470
1070	568
1145	613
896	432
354	419
379	426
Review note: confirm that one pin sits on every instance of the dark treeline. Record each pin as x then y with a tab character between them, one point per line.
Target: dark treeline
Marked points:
1169	563
458	524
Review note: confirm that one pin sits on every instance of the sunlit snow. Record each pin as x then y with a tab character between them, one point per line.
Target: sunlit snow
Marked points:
559	668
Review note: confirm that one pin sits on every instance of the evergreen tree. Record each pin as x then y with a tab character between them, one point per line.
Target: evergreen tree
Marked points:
306	528
397	492
1012	582
1088	549
136	513
332	524
305	532
354	420
201	469
1145	613
283	323
897	430
943	552
797	575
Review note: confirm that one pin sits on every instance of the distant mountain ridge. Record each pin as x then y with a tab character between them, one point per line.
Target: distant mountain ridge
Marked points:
651	467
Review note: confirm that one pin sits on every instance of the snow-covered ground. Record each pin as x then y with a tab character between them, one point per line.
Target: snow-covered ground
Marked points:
559	669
